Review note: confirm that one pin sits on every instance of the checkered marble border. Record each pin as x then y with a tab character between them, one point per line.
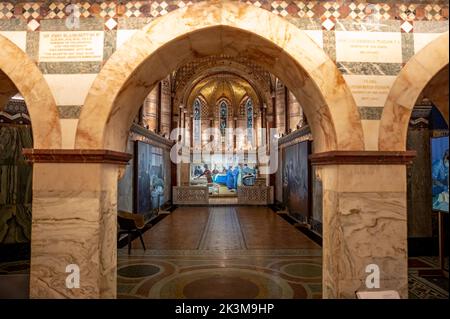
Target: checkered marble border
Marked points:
328	12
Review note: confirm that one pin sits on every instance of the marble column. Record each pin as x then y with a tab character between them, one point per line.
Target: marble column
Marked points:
295	112
149	110
280	109
74	222
364	223
166	107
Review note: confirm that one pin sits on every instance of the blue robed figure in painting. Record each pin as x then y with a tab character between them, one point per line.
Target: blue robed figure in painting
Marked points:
236	172
230	179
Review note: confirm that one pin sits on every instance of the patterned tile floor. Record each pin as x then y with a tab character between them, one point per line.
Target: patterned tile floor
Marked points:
222	252
425	281
225	252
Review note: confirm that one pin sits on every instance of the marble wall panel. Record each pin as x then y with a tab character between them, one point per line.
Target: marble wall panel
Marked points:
13	25
369	68
422	39
69	89
19	38
86	213
15	184
368	25
370	113
360	229
369	90
123	36
407	46
370	128
68	131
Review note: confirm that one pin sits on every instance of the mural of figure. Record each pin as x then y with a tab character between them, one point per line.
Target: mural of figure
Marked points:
295	180
230	178
236	172
440	183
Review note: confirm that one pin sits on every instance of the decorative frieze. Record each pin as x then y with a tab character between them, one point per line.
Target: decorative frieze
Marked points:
190	195
327	13
255	195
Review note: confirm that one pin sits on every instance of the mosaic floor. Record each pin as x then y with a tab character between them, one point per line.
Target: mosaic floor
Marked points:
226	252
222	252
425	280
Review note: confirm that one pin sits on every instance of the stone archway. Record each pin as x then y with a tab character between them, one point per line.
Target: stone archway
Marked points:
363	192
212	28
426	72
19	74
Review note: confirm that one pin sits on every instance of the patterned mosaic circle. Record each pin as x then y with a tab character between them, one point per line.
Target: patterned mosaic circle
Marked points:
303	270
222	283
137	271
221	287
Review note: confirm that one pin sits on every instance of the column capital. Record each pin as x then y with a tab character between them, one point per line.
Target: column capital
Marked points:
363	158
76	156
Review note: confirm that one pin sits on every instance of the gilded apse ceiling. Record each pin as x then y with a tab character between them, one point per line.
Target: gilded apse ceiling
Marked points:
188	77
219	86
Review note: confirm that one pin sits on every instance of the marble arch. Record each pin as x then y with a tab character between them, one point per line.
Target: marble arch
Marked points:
19	74
426	72
213	28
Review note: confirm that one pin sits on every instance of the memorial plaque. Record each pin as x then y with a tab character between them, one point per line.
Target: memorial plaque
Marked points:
370	90
71	46
377	47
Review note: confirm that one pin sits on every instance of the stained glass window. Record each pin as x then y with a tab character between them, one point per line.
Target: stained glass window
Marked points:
197	121
223	107
249	109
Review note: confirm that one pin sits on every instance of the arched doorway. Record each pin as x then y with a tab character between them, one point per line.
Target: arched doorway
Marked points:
276	44
28	118
427	70
353	180
415	117
281	48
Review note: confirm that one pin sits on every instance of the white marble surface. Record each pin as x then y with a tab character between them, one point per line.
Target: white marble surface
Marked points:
409	84
70	89
19	38
370	90
356	46
363	225
74	223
